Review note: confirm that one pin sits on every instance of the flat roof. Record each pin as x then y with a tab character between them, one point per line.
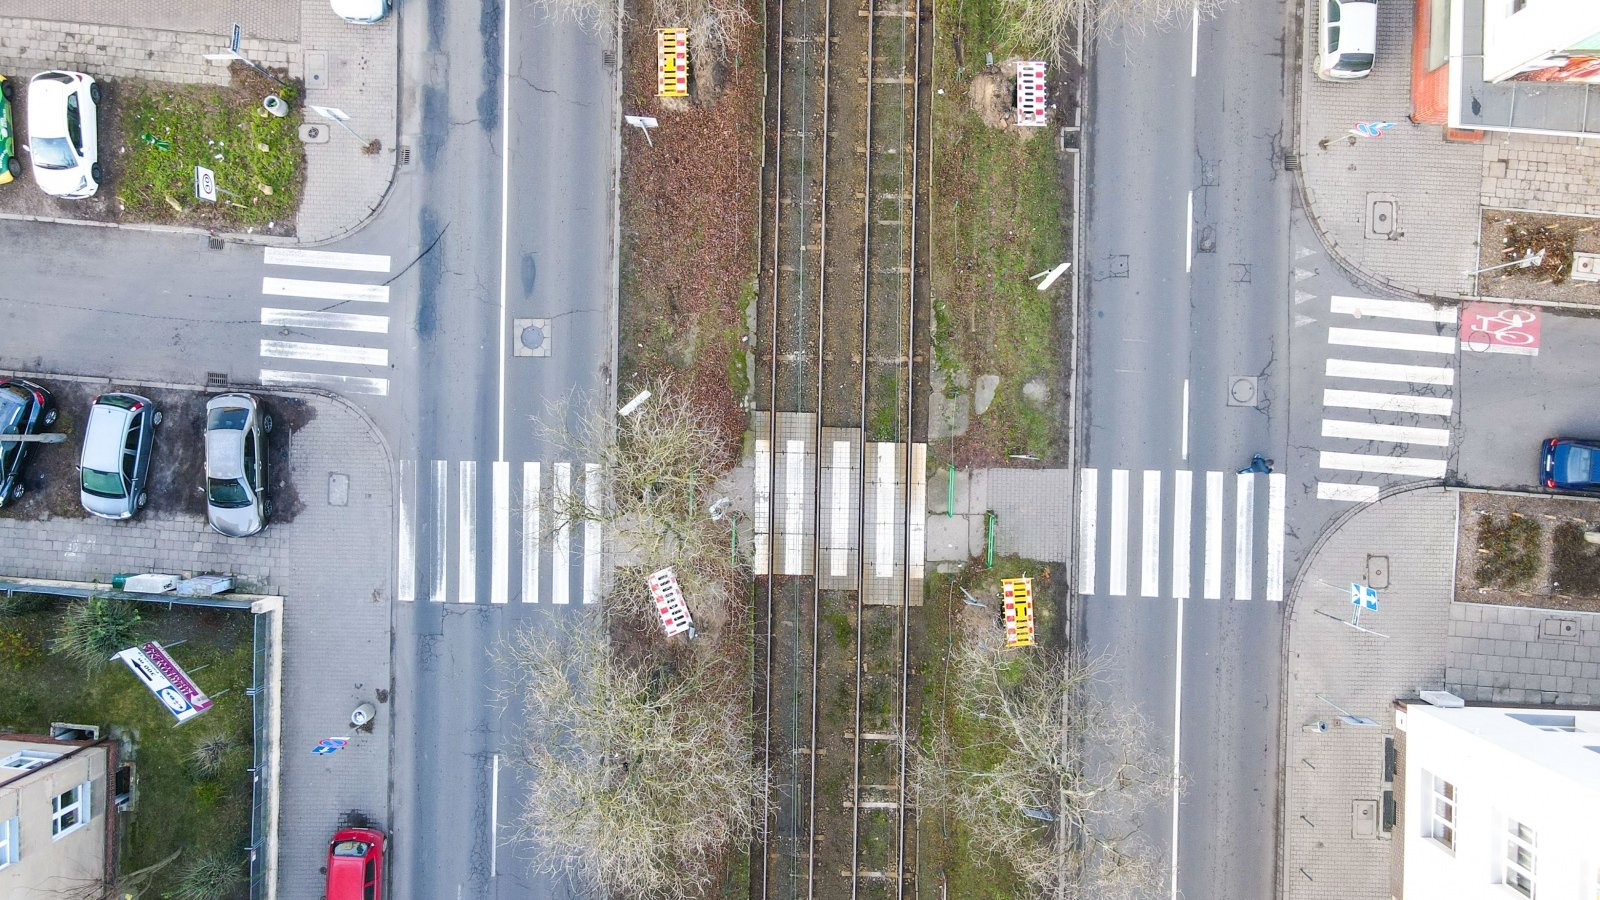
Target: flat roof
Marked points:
1535	106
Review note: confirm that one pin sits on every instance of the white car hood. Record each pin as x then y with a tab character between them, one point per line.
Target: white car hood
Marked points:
359	10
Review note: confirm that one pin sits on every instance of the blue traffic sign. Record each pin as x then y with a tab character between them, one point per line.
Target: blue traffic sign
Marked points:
328	745
1363	596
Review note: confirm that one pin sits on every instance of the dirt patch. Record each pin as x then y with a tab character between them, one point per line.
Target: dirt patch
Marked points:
1528	550
1509	236
992	94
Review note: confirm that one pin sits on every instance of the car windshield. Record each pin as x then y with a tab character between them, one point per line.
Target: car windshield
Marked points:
52	153
227	417
1580	465
1354	62
11	409
103	484
350	848
227	493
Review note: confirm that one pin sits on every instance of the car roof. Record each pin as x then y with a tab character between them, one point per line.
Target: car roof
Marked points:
47	108
102	437
1359	27
225	453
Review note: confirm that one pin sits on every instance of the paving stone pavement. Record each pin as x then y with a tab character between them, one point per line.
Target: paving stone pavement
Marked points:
331	565
1033	509
1513	655
1541	172
273	20
352	68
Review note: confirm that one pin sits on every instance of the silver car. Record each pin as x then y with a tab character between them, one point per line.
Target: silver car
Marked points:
236	465
116	454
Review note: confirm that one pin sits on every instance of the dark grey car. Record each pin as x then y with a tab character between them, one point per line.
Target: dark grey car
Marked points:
115	463
236	465
25	409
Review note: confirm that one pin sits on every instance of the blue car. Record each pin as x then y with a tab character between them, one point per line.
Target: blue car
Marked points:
1566	464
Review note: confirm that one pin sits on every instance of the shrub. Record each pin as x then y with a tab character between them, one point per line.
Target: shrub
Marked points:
93	630
18	650
1508	552
209	755
213	876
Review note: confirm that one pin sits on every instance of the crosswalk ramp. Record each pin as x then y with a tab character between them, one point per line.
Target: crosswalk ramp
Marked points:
499	532
1387	398
1180	534
327	319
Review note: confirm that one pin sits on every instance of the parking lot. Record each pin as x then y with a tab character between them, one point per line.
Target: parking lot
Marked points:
1509	402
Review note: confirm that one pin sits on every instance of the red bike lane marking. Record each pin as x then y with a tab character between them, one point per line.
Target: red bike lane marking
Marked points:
1497	328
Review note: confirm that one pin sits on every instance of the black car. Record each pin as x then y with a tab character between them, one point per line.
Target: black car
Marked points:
1567	464
25	408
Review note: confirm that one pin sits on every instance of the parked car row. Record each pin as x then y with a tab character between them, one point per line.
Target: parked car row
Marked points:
119	441
63	133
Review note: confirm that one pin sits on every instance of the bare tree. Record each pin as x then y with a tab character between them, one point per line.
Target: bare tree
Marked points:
642	777
595	16
1032	737
712	24
1052	26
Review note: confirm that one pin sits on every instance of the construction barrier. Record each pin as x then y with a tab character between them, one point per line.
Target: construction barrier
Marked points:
1019	611
669	603
1031	100
672	62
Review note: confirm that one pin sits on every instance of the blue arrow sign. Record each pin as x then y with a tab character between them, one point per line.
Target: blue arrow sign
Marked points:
1363	596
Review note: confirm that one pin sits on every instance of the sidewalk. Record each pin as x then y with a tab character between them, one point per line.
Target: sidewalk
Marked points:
1406	544
349	67
1435	189
1032	507
331	565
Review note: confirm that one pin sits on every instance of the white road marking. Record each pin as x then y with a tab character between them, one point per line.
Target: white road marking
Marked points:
467	533
1277	487
1392	465
1088	522
1119	532
1150	539
1213	578
1185	425
1373	431
500	533
406	577
330	353
494	817
1391	340
794	505
883	552
1194	44
326	259
1177	734
1244	529
763	498
349	384
310	318
1350	368
530	532
1351	493
325	290
593	539
916	529
561	544
441	545
505	214
1182	526
1188	237
1428	406
1411	310
839	511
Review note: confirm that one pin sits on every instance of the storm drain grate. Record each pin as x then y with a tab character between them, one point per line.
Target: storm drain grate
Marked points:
405	155
216	243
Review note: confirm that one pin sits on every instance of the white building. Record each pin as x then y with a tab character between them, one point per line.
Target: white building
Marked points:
1498	802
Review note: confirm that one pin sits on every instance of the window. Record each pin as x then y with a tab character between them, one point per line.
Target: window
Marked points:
69	810
1441	822
1520	857
8	842
1547	722
27	759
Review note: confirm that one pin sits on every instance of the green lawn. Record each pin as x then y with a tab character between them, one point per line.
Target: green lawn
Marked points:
996	221
168	129
176	806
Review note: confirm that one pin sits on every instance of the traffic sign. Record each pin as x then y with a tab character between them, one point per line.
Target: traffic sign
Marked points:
205	184
328	746
233	44
1363	596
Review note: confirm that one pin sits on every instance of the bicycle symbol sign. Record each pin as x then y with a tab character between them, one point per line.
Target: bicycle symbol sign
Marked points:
328	745
1491	328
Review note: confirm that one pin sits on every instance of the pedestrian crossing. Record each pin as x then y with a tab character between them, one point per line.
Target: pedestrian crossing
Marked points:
525	520
1153	556
1387	395
326	333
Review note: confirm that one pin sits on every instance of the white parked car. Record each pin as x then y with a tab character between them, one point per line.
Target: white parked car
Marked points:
1348	40
361	12
64	134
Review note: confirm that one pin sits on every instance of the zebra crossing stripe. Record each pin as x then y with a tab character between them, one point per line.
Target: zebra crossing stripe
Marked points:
467	532
1244	529
1150	544
1351	493
1277	488
794	511
1374	431
1213	577
331	321
561	545
1428	406
883	549
763	500
1182	513
1088	522
839	518
1391	340
1411	310
326	259
441	488
325	290
406	577
1374	371
1390	465
500	533
329	353
530	532
593	551
349	384
1119	533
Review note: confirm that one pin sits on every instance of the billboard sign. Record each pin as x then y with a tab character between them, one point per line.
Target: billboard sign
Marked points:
166	679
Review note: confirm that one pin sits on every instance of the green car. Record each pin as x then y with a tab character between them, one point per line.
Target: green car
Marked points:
9	167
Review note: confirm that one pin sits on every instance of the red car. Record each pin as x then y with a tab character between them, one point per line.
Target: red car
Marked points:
355	865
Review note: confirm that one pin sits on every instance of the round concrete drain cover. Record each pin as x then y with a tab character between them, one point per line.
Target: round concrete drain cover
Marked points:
533	337
1242	390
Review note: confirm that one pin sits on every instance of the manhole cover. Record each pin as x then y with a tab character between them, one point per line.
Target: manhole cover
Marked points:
1242	390
1383	217
533	337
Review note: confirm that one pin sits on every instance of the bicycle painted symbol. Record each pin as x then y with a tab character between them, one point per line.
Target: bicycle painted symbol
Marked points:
1488	328
327	746
1371	129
